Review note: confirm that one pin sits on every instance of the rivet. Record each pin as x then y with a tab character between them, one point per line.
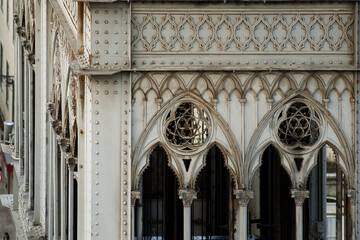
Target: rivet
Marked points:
125	82
294	63
125	213
96	163
125	172
284	62
106	62
106	21
115	52
125	152
321	62
106	41
247	62
219	62
312	62
116	63
96	193
200	62
126	102
96	112
181	62
125	52
125	192
172	62
125	42
106	11
97	132
275	62
115	33
96	21
125	112
96	223
125	162
96	142
125	32
125	132
97	102
115	22
125	222
96	11
340	62
96	92
96	122
106	31
96	213
97	32
97	42
115	92
210	62
125	182
331	62
125	203
125	22
238	62
97	183
125	233
115	11
125	142
256	62
97	153
97	52
96	203
191	62
96	233
125	122
162	62
265	62
126	92
303	62
106	82
125	63
350	62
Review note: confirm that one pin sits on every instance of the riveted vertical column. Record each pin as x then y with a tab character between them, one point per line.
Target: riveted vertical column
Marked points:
110	147
126	152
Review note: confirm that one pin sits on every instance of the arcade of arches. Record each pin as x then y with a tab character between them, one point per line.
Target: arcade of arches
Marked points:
229	164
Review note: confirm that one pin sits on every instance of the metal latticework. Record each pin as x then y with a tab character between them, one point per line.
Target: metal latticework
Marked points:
187	126
299	126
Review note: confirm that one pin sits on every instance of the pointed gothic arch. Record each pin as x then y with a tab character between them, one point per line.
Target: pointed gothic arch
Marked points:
331	134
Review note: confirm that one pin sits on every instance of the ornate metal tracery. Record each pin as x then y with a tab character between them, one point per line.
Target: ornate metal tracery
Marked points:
299	126
187	127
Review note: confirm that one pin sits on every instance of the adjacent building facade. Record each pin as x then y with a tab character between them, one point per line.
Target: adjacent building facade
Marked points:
187	120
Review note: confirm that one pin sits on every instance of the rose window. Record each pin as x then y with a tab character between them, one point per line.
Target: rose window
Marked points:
187	127
299	126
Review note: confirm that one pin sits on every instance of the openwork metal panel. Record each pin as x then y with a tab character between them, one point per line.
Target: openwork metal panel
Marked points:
242	36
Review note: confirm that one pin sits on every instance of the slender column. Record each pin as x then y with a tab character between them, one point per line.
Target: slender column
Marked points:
20	112
63	188
71	166
351	193
187	197
50	202
243	196
134	196
55	186
299	195
139	213
31	131
26	126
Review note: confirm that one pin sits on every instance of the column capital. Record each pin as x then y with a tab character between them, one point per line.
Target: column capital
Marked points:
71	162
244	196
187	196
299	195
134	196
351	193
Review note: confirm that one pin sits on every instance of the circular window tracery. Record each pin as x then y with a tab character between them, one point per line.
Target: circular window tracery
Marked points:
298	126
187	127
